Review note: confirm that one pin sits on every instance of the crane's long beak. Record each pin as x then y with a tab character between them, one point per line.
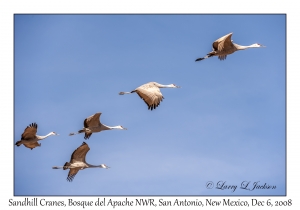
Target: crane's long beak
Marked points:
178	86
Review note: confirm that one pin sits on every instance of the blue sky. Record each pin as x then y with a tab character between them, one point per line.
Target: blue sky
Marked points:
226	123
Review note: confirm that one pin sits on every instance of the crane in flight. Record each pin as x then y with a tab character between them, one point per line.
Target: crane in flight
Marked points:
92	125
78	162
225	46
150	93
29	138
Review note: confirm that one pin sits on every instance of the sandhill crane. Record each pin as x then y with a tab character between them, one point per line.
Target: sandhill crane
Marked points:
225	46
29	137
150	93
92	124
78	162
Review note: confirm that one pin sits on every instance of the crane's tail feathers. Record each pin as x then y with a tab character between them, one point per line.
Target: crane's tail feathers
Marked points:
18	143
122	93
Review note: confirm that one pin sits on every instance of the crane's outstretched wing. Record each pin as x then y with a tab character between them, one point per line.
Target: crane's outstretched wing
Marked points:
223	43
32	145
80	153
150	94
92	121
72	174
29	132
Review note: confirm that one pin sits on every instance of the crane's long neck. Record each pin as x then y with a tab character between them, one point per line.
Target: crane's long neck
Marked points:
95	166
241	47
43	137
106	127
164	86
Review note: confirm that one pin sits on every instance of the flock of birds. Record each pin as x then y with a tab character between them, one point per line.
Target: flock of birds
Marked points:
149	92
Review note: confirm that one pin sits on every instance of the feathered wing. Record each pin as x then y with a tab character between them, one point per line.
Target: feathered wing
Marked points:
92	121
72	174
80	153
222	57
151	96
32	145
29	132
223	43
159	96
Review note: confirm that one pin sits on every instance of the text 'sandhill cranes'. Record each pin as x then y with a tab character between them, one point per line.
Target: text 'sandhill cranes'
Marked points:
29	137
78	162
150	93
225	46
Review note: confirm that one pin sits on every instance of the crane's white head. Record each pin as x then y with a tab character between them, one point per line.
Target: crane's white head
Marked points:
258	45
121	127
54	134
104	166
174	86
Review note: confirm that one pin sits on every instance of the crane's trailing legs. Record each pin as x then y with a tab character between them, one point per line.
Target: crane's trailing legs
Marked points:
80	131
122	93
207	56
